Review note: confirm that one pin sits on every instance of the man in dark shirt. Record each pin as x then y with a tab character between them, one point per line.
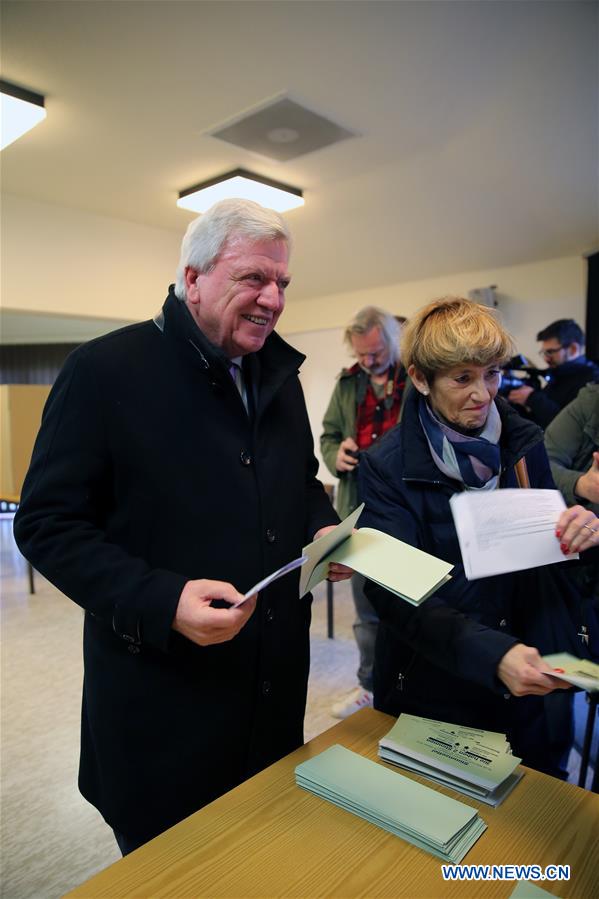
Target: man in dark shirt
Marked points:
562	347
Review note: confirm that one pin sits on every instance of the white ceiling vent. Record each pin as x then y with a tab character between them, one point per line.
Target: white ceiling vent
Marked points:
282	131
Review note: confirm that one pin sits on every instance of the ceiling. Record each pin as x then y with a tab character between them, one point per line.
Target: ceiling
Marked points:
475	123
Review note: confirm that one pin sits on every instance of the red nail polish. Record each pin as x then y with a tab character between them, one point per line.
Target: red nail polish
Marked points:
564	547
558	534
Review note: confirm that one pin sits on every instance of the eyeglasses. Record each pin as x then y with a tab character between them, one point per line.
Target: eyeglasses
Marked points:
551	351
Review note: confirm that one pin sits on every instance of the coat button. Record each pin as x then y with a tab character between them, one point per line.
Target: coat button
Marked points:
269	614
245	458
503	623
271	535
266	687
133	649
507	695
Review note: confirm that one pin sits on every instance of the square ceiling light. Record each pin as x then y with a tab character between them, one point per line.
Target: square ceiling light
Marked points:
20	111
240	184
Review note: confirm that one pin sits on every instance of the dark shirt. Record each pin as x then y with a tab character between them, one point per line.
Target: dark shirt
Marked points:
563	385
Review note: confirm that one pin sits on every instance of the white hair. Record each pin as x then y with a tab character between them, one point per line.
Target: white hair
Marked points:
372	317
224	222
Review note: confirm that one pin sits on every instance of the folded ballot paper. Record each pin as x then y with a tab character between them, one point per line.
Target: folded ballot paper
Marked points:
477	763
406	571
427	819
579	672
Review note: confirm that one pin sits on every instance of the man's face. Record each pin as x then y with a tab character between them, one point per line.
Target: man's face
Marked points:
554	353
371	351
238	303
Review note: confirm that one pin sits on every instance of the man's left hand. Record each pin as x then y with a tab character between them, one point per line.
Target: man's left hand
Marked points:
337	572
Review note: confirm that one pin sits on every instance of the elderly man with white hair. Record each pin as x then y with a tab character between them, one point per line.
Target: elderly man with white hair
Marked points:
366	402
174	469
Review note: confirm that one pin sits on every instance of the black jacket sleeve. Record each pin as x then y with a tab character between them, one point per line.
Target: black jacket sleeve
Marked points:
61	524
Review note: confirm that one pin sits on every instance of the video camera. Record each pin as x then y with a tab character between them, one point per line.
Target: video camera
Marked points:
517	372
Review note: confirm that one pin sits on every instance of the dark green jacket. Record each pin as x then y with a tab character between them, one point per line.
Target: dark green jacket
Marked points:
571	439
338	423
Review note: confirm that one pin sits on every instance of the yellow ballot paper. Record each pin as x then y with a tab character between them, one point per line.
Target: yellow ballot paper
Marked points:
402	569
579	672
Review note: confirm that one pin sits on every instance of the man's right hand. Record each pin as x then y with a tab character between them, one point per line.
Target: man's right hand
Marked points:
197	620
345	462
524	672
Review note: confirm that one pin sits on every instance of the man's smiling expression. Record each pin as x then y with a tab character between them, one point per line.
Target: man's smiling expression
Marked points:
238	302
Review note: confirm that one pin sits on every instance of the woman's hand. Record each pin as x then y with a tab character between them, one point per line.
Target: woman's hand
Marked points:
524	672
577	529
336	571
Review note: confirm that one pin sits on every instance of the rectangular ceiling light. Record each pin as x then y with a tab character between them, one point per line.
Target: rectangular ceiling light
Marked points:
243	185
20	110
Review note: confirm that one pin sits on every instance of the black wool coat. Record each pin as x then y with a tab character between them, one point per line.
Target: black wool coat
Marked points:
147	472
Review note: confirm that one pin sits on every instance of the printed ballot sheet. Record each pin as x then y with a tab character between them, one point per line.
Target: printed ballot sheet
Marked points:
507	530
475	762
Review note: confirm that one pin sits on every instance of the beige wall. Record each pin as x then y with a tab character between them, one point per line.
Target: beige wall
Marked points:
530	296
61	260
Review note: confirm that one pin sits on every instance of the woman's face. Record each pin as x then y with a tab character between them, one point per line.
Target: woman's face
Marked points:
463	394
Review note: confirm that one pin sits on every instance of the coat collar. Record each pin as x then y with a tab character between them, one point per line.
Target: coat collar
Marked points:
269	368
518	436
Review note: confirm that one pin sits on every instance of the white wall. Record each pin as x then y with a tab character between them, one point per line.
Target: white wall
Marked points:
61	260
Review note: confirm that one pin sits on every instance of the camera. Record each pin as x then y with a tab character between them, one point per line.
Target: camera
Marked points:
350	474
518	372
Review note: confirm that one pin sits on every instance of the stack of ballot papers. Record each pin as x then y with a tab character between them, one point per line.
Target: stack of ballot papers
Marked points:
427	819
580	672
410	573
477	763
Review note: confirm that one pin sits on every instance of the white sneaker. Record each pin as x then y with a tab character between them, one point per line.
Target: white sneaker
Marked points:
359	698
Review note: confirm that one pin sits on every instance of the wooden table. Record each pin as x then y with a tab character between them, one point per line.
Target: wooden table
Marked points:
270	838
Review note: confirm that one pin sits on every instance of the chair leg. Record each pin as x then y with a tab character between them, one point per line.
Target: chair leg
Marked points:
31	581
330	612
588	739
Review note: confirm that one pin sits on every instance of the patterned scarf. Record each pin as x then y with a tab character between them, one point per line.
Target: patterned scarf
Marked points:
475	461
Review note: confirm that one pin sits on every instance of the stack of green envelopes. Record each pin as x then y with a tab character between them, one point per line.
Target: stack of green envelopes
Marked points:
478	763
427	819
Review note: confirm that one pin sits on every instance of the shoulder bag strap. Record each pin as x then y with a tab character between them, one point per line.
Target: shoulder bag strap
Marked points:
522	473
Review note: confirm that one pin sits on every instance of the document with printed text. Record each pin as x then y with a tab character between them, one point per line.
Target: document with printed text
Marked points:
476	762
507	530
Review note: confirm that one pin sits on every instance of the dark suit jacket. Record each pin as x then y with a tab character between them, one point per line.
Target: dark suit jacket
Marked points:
146	473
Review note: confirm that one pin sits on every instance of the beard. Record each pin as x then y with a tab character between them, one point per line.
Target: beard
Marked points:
378	369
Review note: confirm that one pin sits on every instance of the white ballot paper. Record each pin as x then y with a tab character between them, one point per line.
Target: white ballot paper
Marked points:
507	530
290	566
